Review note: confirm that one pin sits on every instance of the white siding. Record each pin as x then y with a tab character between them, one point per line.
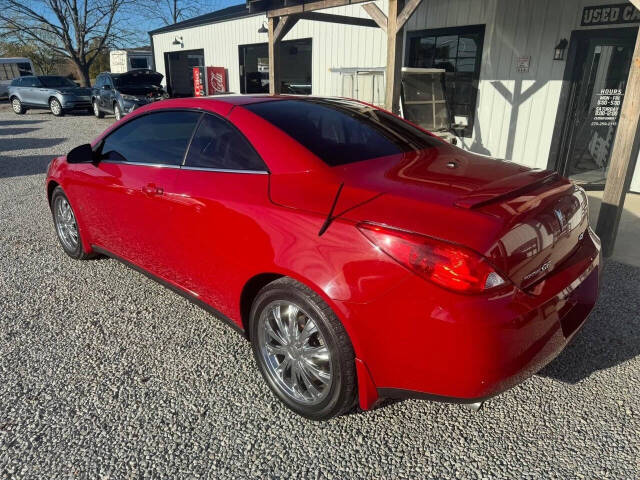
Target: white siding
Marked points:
516	112
333	45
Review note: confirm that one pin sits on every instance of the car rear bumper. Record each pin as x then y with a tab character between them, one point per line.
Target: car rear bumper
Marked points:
444	346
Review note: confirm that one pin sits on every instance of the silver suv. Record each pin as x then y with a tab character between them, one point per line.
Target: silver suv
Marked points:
58	94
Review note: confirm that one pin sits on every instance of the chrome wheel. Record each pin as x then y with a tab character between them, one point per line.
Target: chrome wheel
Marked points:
17	106
96	110
55	106
117	112
66	224
295	352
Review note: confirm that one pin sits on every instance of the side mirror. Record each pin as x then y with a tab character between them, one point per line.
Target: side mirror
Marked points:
80	154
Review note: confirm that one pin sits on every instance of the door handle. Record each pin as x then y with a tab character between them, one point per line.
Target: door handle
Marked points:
151	189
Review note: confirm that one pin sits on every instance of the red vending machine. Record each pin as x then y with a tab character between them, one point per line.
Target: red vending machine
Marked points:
216	80
198	82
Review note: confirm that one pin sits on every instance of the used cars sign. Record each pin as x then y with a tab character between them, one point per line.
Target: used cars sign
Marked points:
610	14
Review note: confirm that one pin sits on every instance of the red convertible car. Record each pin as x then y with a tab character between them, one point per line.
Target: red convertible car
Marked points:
363	257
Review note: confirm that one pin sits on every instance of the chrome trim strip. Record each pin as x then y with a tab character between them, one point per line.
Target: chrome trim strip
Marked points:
222	170
141	164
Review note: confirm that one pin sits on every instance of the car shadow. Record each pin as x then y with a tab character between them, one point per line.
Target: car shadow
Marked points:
17	121
22	166
611	334
17	130
17	144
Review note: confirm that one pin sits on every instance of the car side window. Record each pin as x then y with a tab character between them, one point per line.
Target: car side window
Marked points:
157	138
218	145
27	82
17	82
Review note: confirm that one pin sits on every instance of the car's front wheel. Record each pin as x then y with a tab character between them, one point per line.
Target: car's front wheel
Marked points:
96	110
66	225
302	350
17	107
55	107
117	111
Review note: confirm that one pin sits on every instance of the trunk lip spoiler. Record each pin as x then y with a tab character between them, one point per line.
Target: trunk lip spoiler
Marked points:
496	191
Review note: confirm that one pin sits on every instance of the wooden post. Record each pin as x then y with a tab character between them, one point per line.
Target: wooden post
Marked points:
395	40
274	58
622	159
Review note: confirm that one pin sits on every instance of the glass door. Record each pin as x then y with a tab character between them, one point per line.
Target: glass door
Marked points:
599	82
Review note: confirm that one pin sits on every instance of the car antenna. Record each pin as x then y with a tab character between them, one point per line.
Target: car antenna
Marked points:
330	216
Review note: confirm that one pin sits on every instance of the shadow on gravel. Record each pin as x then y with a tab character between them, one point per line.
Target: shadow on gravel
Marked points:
6	123
17	130
611	334
22	166
11	144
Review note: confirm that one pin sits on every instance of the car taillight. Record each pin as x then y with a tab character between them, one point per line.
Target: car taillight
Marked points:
450	266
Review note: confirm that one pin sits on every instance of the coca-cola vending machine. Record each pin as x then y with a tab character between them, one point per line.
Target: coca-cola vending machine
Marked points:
199	87
216	80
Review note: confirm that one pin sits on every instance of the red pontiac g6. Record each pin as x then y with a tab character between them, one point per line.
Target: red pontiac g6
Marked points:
361	256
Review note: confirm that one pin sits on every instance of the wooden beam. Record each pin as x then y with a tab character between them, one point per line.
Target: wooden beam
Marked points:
285	24
311	6
377	15
395	39
622	158
274	58
408	9
342	19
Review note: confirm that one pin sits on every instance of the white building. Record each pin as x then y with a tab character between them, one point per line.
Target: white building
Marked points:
519	103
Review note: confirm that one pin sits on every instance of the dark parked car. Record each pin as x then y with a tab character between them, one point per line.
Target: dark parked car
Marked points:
121	93
59	94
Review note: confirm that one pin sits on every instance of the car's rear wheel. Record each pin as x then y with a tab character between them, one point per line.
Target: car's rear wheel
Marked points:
66	225
302	350
17	107
96	110
117	111
56	107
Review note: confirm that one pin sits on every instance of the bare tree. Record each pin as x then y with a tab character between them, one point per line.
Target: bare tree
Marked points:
173	11
79	30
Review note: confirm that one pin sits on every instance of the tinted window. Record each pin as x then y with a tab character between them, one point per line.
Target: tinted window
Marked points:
342	131
30	82
16	83
54	81
157	138
217	144
99	81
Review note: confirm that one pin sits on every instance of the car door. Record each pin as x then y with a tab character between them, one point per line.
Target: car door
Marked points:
221	190
106	94
39	93
126	195
27	90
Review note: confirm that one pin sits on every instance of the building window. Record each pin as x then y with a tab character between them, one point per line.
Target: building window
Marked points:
139	62
458	51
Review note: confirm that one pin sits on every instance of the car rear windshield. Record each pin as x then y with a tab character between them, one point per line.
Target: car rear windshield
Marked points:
51	81
342	131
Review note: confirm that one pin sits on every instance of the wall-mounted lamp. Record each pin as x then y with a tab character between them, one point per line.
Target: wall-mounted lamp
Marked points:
178	41
558	53
263	29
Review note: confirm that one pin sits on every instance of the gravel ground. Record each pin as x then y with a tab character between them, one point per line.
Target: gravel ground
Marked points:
106	374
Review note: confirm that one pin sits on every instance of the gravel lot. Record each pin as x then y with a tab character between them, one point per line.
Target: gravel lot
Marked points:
106	374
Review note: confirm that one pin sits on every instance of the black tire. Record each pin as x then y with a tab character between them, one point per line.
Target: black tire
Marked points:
117	111
74	251
16	106
341	394
55	107
96	110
